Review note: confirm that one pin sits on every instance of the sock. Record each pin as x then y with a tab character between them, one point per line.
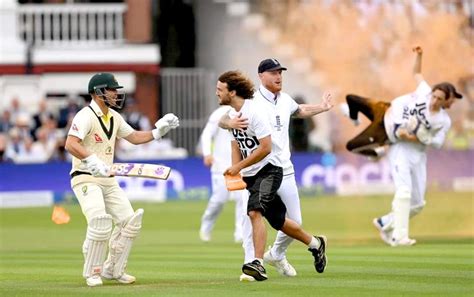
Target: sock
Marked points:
315	243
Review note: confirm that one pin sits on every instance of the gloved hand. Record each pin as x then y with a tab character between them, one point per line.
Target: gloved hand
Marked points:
96	166
424	135
164	125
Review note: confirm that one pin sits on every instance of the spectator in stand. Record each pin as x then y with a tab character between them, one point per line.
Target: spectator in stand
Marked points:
6	121
14	144
67	113
3	146
15	109
134	117
40	118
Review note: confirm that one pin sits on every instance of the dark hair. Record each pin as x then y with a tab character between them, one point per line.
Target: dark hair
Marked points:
448	89
239	83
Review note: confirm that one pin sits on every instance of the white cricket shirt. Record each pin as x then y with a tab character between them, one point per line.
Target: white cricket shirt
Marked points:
248	140
216	141
279	112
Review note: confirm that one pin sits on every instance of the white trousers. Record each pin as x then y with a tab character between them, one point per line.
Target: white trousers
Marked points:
97	199
408	168
288	193
219	197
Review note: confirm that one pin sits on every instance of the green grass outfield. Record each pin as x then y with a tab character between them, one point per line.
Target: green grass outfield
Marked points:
39	258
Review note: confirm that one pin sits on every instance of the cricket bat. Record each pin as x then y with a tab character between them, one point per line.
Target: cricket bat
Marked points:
140	170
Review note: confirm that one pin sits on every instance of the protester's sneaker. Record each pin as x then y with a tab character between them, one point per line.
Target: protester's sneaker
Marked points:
344	108
282	266
256	270
206	237
94	281
124	279
403	242
320	259
246	278
385	235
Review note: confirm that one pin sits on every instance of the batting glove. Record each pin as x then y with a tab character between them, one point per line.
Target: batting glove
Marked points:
164	125
424	135
96	166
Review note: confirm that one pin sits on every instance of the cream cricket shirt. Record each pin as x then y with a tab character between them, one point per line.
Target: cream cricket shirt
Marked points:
98	133
216	141
258	128
279	112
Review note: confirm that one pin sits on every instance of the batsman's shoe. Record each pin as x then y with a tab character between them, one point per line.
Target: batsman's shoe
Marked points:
256	270
94	281
124	279
385	235
205	237
282	266
246	278
402	242
320	259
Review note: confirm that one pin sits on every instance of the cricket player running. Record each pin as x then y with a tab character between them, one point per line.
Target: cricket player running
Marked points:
215	146
91	141
411	123
280	108
257	158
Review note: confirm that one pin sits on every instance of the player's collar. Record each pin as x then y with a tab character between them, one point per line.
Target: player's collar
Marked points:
96	108
269	96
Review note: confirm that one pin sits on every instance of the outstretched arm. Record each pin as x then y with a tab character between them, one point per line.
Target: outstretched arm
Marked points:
309	110
417	67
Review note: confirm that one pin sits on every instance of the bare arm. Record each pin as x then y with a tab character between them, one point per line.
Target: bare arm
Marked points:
139	137
309	110
405	136
258	154
417	66
74	147
238	122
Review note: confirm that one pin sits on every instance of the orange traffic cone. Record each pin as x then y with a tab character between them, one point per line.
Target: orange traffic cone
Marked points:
60	215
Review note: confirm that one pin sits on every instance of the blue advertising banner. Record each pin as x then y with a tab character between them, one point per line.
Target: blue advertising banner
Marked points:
190	179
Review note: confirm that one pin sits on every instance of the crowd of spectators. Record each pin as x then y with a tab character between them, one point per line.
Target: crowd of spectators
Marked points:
39	137
363	47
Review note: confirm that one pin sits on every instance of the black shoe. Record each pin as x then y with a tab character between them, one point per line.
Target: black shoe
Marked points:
256	270
320	259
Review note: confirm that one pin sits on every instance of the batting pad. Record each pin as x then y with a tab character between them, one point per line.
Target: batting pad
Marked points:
401	213
121	244
95	245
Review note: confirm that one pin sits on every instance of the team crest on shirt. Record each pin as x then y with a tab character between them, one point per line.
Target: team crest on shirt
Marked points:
108	151
97	138
74	128
278	125
84	190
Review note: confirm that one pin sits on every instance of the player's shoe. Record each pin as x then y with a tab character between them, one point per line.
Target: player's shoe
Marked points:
124	279
205	237
246	278
94	281
403	242
256	270
344	108
282	266
320	259
385	235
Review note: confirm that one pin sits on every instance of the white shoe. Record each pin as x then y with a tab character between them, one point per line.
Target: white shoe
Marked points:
282	266
385	235
206	237
94	281
403	242
344	108
124	279
246	278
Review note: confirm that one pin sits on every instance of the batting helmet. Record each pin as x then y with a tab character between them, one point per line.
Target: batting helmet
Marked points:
103	81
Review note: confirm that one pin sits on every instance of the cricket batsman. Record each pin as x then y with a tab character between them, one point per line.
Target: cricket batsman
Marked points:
91	141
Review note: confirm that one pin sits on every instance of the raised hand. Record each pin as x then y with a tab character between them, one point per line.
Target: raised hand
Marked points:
417	49
327	103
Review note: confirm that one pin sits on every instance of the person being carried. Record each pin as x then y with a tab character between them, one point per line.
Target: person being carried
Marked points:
410	124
